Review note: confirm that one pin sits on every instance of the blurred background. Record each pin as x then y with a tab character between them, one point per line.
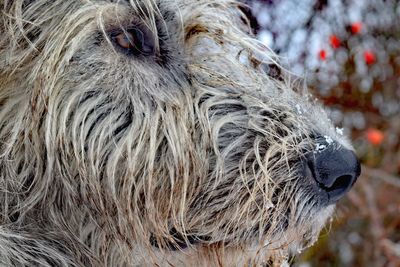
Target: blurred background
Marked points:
350	52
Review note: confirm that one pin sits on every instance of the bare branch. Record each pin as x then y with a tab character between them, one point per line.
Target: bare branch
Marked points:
380	174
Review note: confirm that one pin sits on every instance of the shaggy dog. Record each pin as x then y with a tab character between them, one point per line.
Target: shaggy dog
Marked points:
156	132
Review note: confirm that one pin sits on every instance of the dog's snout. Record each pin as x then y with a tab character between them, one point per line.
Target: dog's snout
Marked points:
335	170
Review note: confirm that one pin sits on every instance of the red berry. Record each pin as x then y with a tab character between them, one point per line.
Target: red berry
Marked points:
369	57
322	54
334	41
356	27
375	136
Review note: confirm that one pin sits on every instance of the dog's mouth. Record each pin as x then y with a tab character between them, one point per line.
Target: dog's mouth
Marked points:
178	241
175	240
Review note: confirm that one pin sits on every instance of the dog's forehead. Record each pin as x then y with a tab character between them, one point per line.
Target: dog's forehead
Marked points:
177	6
177	10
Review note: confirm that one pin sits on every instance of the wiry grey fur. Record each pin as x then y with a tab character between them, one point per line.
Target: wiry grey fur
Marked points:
111	160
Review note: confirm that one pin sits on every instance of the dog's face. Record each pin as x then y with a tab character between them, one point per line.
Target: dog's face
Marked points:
171	126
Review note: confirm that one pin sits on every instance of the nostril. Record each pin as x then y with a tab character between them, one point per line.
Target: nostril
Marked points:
341	183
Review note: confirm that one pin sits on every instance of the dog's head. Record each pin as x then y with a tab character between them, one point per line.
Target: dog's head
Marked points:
165	124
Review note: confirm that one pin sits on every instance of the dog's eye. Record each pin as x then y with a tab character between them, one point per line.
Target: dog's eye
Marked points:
136	41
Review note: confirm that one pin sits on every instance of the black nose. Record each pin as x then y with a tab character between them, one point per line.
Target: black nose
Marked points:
335	169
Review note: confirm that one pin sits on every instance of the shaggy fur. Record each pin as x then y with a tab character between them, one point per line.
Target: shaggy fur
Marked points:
188	158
